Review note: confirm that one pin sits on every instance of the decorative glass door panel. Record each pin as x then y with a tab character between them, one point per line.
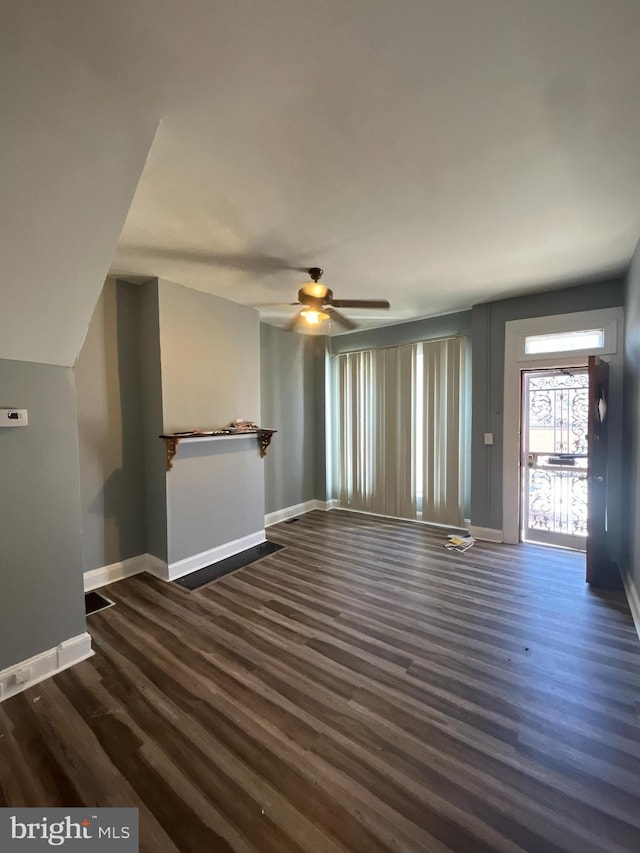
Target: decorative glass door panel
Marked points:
555	406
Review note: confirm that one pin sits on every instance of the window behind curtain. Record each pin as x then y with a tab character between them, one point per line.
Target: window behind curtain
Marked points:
401	424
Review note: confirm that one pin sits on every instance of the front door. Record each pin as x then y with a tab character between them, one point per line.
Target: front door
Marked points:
554	448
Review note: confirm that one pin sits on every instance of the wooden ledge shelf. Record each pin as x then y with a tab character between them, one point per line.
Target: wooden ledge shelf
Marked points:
263	437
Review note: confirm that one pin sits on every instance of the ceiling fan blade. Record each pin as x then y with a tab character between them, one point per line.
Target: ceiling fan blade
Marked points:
272	304
361	303
340	318
256	262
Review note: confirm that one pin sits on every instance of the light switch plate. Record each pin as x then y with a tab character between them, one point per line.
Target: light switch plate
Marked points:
488	438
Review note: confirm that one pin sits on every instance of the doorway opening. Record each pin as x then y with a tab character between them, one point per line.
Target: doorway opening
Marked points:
555	457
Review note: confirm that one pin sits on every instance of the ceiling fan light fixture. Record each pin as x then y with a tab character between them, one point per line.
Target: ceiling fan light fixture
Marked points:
313	316
318	304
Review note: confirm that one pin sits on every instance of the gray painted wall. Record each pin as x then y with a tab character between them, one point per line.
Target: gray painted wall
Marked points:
631	444
215	495
210	352
109	404
292	404
154	450
488	335
447	325
319	416
210	374
41	600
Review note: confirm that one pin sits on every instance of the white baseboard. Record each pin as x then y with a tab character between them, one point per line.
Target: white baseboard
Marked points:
14	679
486	534
104	575
297	509
334	504
169	572
289	512
156	567
632	597
213	555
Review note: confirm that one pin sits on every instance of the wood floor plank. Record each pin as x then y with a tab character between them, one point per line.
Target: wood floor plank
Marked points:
360	690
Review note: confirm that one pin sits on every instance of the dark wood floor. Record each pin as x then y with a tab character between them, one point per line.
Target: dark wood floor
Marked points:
361	690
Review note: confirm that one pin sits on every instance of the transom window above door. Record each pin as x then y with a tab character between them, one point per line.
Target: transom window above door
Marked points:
592	339
564	336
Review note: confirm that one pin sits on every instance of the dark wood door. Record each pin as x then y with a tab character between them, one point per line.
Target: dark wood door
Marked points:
599	569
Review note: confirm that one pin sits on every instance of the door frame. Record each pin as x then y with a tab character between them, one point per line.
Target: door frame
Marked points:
516	360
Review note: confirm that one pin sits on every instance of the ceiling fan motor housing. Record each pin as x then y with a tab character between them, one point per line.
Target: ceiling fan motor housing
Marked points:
313	299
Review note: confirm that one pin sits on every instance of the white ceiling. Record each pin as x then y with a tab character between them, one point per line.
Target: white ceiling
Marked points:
433	153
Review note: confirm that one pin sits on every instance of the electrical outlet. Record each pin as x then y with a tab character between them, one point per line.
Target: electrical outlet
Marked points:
13	680
21	676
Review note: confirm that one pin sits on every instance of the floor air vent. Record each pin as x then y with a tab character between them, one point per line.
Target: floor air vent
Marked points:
94	602
218	570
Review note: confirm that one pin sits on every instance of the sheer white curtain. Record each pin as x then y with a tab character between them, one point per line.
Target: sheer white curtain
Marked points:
400	430
443	430
354	382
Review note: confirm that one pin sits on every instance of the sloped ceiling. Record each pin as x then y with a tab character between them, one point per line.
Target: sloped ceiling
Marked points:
436	153
73	141
433	152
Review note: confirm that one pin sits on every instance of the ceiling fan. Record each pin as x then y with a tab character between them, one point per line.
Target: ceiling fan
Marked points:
318	304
